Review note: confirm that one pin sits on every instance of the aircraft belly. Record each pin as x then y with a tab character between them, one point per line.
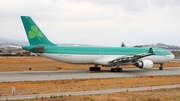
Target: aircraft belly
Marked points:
90	59
70	58
83	59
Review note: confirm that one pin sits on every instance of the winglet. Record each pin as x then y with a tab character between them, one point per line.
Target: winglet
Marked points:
151	51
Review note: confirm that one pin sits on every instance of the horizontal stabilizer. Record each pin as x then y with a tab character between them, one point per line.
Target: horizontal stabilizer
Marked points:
35	49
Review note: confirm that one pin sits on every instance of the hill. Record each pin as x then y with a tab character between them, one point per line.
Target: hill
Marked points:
162	45
5	41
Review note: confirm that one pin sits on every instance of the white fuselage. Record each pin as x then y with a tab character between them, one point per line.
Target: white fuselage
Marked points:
90	59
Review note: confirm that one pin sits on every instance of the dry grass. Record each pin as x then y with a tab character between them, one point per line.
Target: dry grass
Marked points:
41	87
40	63
36	63
155	95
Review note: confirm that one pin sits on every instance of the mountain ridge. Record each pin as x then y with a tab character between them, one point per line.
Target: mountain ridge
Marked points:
162	45
5	41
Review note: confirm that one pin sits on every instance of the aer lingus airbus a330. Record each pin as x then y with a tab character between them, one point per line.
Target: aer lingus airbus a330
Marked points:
103	56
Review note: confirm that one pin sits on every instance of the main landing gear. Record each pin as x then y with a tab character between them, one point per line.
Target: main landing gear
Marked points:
117	69
161	66
95	68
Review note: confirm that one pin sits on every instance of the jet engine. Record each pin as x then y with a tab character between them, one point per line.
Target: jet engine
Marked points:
145	64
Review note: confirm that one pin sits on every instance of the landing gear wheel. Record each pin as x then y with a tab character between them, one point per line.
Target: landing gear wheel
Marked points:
112	70
161	68
98	69
95	68
116	69
91	68
120	70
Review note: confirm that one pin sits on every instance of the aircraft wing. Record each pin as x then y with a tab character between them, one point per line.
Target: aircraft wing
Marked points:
123	59
132	58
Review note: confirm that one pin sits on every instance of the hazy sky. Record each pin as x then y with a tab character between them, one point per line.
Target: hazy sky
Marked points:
96	22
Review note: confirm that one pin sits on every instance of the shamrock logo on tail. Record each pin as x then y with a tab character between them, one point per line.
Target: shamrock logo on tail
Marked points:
34	32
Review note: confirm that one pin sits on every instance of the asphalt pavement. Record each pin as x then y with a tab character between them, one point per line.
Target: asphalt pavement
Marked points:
84	74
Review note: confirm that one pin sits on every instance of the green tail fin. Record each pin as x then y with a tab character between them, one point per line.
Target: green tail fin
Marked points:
34	34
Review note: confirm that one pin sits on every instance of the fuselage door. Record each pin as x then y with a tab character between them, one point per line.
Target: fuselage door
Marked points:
143	51
61	52
101	52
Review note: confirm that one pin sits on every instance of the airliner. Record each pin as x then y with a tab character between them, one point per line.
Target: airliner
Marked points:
112	57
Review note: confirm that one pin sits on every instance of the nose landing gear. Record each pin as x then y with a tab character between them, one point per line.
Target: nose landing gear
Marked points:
161	66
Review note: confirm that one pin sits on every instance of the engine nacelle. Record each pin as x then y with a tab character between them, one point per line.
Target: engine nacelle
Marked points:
145	64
